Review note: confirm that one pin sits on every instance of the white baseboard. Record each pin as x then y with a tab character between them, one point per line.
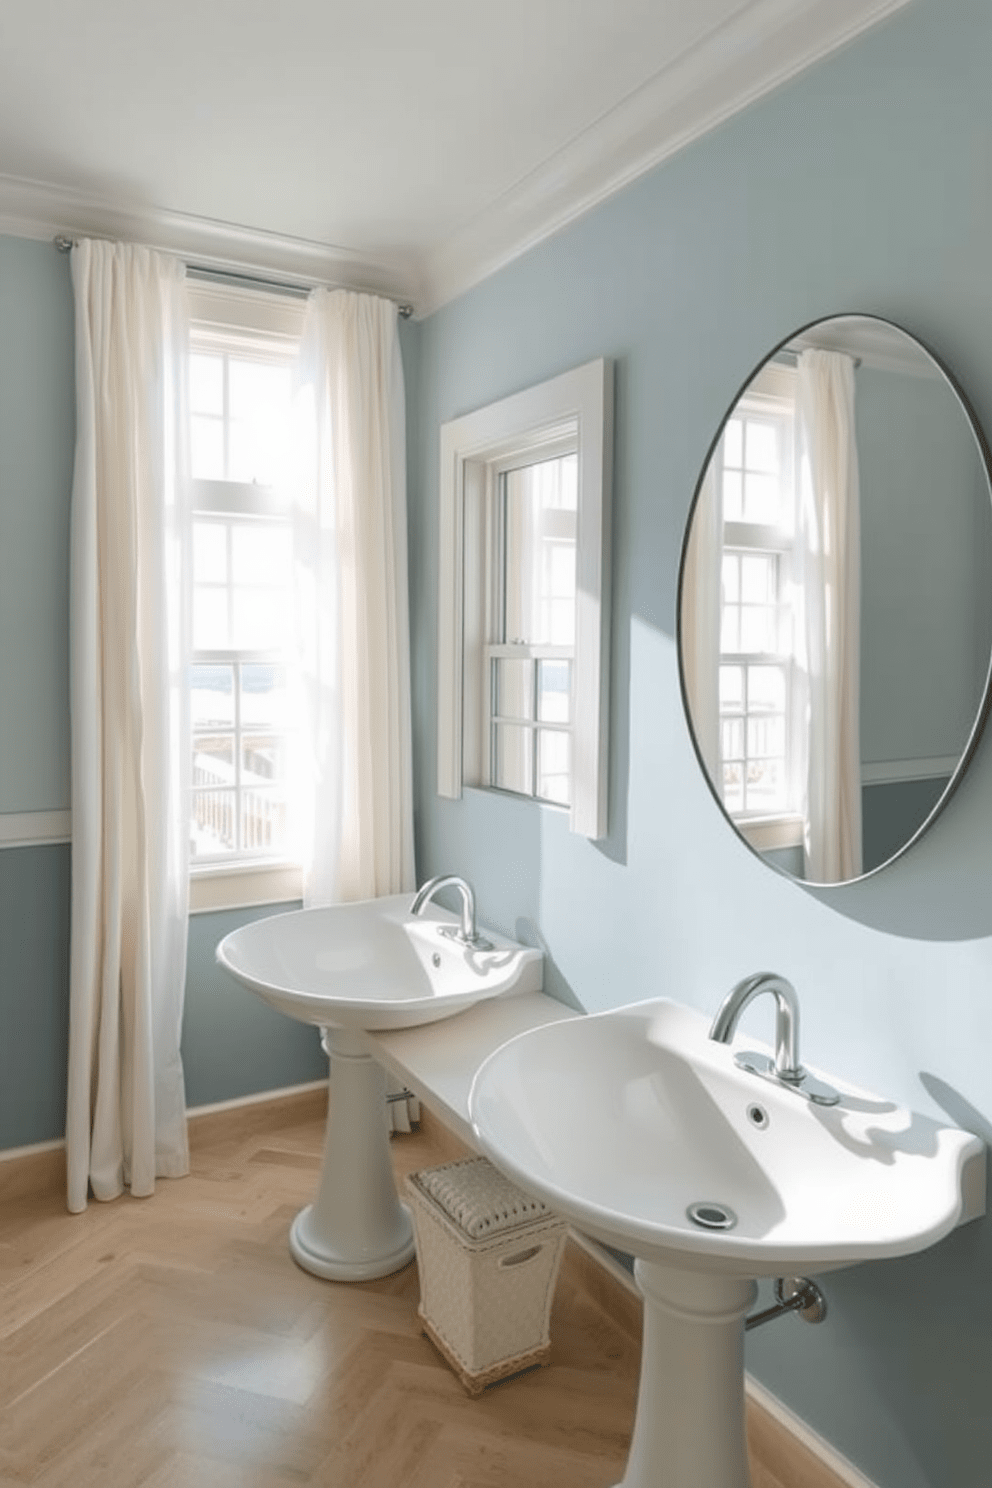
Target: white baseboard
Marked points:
833	1460
12	1154
35	1149
258	1099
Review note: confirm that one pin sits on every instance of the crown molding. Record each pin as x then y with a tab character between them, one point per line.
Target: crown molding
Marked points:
762	46
38	209
875	343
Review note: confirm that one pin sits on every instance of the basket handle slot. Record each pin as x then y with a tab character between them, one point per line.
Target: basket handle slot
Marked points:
521	1257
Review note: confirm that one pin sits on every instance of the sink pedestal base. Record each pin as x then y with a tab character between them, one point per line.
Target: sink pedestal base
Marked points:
689	1427
356	1228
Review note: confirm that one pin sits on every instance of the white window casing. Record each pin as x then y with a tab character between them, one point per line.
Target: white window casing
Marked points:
575	407
263	327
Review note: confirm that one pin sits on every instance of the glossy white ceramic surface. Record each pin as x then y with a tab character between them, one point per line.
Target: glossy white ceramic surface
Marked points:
372	965
623	1120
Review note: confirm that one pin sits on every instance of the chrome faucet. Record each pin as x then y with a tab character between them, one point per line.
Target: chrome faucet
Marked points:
785	1069
787	1066
466	933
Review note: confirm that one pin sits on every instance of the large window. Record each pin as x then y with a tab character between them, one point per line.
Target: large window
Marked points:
243	735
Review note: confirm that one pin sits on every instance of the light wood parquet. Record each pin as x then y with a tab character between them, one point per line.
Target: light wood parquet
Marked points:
171	1342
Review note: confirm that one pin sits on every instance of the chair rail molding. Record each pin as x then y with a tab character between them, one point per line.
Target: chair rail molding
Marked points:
34	828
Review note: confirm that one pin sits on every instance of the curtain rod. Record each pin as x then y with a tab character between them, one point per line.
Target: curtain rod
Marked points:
235	276
789	355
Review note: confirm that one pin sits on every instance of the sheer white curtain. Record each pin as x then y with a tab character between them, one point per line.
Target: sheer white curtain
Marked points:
126	1121
353	619
701	620
830	547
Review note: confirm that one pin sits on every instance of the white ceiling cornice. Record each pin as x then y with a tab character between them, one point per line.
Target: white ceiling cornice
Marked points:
757	46
35	209
762	46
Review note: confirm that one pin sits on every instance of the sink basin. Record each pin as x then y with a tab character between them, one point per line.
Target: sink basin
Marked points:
630	1122
351	968
373	965
808	1186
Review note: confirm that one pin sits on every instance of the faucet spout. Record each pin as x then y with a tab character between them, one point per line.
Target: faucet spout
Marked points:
787	1066
466	932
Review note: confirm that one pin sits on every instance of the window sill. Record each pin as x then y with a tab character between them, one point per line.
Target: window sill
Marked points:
214	886
766	833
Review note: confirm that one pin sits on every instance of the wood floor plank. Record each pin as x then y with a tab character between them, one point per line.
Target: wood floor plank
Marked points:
172	1342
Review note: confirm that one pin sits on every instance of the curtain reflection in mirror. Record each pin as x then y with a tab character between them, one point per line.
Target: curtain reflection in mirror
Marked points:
830	594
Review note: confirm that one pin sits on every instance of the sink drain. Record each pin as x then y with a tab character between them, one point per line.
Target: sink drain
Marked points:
710	1216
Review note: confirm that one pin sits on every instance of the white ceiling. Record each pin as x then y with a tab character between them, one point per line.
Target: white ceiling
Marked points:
409	148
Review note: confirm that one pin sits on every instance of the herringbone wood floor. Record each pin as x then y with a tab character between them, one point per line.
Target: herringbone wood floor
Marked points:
172	1343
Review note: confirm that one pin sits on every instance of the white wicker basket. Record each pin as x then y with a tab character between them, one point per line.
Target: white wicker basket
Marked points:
488	1256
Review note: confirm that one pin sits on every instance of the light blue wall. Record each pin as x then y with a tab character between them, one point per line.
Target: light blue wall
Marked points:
862	186
34	993
36	444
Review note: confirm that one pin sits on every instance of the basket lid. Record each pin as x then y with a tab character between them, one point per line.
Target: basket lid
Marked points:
478	1198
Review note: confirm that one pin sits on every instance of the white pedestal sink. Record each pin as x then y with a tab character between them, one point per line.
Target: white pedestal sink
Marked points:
348	968
630	1122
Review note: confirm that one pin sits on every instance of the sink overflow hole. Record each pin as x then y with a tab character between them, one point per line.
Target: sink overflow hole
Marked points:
435	959
758	1116
711	1216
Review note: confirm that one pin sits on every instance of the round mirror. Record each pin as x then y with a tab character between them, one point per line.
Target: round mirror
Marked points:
835	599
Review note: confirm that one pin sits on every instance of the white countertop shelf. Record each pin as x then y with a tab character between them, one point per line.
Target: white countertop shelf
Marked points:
438	1061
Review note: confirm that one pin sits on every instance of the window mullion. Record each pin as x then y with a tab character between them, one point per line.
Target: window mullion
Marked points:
534	731
229	596
238	813
226	386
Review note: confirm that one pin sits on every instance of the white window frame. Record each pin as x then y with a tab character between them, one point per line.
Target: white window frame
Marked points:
257	324
577	405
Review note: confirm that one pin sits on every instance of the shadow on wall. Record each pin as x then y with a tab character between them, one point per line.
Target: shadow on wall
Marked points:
903	1351
506	876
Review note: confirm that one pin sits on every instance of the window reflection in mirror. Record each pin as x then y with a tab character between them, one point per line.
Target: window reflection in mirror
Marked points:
835	624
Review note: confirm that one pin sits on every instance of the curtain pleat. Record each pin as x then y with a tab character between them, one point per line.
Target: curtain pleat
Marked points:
830	526
353	617
125	1120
